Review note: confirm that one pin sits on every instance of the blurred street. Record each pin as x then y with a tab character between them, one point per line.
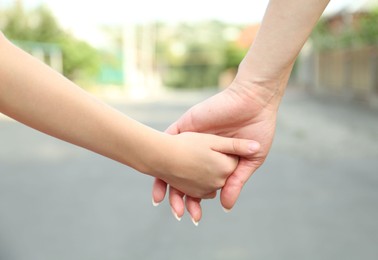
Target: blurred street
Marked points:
316	197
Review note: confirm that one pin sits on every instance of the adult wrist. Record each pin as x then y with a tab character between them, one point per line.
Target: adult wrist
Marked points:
269	87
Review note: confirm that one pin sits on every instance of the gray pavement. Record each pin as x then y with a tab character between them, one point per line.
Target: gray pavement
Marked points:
316	197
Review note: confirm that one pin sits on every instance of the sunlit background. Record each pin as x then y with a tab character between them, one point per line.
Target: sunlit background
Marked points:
315	197
146	46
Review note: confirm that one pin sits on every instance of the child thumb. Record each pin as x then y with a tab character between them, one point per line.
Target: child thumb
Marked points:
235	146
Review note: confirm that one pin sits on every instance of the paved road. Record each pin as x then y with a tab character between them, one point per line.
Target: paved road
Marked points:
316	197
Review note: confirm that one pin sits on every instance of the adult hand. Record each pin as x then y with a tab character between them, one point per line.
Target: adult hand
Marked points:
242	111
248	108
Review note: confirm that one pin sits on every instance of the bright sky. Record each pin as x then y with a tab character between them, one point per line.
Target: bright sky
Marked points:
82	16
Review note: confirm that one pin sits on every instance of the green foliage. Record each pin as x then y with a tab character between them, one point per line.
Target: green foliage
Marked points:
233	55
194	55
363	32
80	60
369	28
39	26
321	36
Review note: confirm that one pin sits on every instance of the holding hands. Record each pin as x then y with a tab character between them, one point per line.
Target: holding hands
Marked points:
195	165
248	108
231	113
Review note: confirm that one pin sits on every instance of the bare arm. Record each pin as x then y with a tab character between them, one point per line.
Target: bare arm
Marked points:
39	97
248	108
285	28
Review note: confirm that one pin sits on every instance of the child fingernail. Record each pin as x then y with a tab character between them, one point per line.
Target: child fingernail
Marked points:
155	204
195	222
253	147
175	215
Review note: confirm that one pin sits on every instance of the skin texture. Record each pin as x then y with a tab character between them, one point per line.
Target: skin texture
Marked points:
248	108
34	94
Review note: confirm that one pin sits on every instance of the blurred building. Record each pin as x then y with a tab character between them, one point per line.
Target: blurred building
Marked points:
139	63
349	16
346	65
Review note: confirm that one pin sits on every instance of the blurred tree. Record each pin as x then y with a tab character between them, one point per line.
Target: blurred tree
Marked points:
369	28
80	60
194	55
233	55
361	29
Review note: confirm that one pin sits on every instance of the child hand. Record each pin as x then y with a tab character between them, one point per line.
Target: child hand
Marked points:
199	164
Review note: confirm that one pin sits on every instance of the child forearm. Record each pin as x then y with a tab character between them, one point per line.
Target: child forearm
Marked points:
34	94
39	97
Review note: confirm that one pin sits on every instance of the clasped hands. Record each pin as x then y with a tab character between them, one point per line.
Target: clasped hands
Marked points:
235	113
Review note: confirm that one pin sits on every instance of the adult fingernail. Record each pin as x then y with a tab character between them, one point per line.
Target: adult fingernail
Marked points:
226	210
254	147
155	204
175	215
195	222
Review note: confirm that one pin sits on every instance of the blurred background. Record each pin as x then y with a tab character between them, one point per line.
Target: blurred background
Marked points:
316	196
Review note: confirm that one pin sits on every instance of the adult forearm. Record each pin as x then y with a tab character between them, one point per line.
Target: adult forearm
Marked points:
285	28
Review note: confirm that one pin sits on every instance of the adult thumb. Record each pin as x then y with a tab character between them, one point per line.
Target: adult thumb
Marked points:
235	182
